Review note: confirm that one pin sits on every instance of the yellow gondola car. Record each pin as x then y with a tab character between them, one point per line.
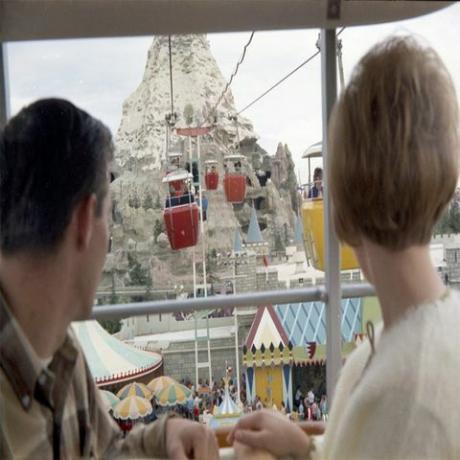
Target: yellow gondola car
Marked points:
313	232
313	225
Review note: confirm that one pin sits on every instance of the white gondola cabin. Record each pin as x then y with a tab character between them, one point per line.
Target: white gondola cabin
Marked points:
174	160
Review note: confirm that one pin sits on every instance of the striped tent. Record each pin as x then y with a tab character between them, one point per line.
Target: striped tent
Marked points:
228	406
227	414
110	360
110	400
132	408
159	383
173	395
134	389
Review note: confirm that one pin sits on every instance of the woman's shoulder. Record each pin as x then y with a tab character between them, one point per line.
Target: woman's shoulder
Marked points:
419	352
429	328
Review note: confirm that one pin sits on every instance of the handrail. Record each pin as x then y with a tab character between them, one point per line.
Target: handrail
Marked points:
310	428
310	294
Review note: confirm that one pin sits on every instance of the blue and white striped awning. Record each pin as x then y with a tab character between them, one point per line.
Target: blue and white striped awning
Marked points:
110	360
306	322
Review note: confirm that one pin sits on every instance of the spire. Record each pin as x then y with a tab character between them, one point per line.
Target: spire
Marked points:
228	406
237	243
254	233
298	230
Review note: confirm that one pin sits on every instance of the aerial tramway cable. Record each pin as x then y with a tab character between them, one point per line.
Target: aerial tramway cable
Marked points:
292	72
232	76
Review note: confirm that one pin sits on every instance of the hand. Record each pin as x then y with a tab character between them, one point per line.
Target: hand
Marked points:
185	439
271	431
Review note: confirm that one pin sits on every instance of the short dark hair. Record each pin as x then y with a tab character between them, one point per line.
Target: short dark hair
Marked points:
52	155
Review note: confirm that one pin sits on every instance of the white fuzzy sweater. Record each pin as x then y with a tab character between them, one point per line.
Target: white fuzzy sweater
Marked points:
406	403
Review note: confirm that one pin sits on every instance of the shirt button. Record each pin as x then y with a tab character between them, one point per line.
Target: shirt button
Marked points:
42	379
25	401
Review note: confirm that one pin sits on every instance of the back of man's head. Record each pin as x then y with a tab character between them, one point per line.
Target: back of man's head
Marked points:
52	155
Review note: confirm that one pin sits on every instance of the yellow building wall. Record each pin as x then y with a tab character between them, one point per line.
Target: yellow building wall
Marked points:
269	385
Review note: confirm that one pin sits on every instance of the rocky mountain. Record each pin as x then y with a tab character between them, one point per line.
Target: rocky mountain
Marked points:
138	233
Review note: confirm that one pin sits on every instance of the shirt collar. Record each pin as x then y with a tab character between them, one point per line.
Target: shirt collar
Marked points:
20	362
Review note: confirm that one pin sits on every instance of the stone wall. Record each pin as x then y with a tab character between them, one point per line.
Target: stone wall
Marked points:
452	257
179	359
267	279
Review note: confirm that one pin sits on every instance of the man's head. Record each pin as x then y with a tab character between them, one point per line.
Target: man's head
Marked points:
54	179
394	147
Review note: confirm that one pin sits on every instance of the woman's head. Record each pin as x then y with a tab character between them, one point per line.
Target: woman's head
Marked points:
318	174
394	146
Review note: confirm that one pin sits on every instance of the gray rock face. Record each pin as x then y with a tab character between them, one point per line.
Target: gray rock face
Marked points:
138	193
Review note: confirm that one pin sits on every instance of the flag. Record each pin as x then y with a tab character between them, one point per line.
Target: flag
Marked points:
266	261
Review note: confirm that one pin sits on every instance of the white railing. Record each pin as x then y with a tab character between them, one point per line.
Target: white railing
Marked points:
251	299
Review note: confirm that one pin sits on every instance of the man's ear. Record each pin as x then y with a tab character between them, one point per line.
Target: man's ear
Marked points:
84	216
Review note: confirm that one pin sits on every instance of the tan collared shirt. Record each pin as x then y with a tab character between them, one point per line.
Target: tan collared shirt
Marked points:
57	412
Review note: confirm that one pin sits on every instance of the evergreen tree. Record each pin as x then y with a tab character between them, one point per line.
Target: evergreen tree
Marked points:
148	202
157	202
158	229
188	114
138	275
450	220
454	217
134	201
112	326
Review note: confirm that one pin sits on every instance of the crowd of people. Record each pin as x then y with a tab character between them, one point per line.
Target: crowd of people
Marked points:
309	407
207	396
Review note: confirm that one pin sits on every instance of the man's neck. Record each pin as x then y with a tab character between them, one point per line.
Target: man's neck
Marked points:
38	295
403	280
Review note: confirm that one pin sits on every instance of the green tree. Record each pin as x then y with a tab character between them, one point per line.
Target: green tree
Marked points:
112	326
158	229
188	114
292	180
157	202
134	201
286	234
454	217
138	275
279	246
450	220
148	202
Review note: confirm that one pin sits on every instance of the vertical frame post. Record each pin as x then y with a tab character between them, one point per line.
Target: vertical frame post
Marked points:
237	345
4	91
332	265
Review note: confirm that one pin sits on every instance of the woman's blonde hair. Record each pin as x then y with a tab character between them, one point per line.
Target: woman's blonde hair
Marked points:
394	146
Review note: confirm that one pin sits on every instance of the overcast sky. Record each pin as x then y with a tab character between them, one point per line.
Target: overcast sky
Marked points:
98	75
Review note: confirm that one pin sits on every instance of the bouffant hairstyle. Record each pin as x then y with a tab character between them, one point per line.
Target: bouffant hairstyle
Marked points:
394	141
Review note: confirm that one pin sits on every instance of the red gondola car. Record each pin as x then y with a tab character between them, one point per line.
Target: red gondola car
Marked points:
211	176
182	225
235	179
181	212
